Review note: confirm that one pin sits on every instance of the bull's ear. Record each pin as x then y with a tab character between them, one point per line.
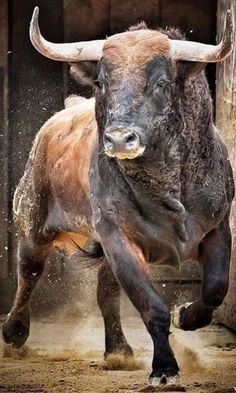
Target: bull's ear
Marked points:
189	69
85	72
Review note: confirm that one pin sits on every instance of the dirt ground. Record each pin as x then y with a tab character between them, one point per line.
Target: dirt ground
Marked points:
67	357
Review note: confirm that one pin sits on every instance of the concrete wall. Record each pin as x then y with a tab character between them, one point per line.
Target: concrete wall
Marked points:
226	123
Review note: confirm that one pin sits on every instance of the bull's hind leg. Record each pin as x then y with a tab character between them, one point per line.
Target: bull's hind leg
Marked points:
215	251
108	296
31	259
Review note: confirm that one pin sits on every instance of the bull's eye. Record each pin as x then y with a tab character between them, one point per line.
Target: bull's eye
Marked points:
161	83
99	84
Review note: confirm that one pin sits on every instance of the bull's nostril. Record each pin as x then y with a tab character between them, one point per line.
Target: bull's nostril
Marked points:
108	143
131	141
120	141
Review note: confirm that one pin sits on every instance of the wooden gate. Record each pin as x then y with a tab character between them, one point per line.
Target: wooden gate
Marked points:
226	123
37	86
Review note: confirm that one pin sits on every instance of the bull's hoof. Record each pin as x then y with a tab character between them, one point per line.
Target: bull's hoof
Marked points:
15	330
177	314
122	349
164	377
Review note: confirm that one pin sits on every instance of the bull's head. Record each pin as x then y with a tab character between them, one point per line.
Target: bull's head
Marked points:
135	73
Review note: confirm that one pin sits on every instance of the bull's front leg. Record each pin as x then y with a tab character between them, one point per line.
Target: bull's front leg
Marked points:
215	251
130	268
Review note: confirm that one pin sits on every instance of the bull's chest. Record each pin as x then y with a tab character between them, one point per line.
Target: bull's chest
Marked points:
157	221
160	232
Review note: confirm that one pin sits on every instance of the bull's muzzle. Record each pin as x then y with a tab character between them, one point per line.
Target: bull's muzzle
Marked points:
122	144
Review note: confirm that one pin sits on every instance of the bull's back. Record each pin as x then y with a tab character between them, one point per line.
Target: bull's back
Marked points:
73	138
68	155
56	175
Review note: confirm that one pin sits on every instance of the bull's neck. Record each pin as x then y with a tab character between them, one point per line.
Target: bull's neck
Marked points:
149	186
152	186
150	176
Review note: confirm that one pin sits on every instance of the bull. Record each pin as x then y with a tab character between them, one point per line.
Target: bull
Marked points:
142	172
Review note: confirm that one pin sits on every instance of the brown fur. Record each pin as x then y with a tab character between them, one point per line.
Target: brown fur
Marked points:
133	50
68	140
58	167
69	241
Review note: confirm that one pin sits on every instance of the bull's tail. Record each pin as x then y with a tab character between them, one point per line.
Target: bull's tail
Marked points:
75	245
91	257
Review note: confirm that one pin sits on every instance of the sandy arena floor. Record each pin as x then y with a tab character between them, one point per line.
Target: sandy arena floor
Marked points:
67	357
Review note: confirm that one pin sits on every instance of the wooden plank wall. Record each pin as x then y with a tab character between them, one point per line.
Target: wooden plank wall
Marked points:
226	123
35	82
3	140
126	13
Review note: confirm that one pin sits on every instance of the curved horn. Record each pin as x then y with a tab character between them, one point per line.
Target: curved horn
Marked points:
76	51
194	51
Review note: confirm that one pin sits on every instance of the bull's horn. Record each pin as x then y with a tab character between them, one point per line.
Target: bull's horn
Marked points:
76	51
194	51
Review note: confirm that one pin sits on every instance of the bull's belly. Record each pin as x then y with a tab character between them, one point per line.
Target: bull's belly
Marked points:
78	229
75	220
71	229
173	255
170	250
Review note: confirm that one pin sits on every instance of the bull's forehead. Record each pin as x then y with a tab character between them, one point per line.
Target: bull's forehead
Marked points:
135	48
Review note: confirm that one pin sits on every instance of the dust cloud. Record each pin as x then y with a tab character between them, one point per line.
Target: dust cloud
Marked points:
189	360
66	355
64	352
120	362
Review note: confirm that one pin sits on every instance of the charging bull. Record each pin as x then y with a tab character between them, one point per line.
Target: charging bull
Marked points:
142	172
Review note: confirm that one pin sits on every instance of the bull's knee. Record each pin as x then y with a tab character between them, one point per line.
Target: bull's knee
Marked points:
159	321
214	294
30	267
31	259
16	328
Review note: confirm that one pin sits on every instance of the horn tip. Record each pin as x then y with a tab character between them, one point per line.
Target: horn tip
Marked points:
228	13
35	16
229	26
229	21
36	11
227	39
34	22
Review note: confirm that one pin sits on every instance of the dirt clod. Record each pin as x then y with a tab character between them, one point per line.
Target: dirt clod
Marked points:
120	362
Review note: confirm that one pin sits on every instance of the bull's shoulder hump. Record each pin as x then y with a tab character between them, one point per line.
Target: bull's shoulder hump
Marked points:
64	123
85	108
